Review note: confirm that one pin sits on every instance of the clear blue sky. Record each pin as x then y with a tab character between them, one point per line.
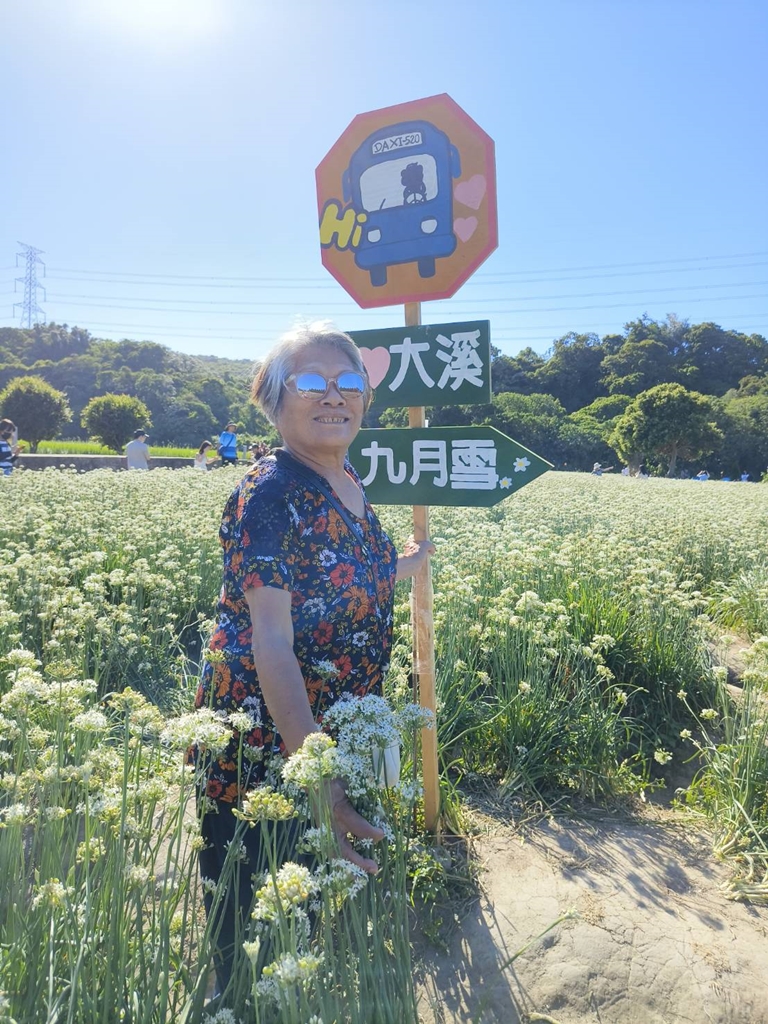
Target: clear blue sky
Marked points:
162	154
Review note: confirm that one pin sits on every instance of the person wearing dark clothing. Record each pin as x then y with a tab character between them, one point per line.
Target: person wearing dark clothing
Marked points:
305	615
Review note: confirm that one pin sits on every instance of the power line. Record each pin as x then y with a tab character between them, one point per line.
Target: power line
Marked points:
638	263
301	280
275	284
516	298
286	310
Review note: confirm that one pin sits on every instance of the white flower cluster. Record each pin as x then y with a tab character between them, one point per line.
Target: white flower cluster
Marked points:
369	740
326	669
252	950
317	840
200	728
242	721
52	894
222	1016
264	804
341	878
290	970
137	875
14	814
292	885
18	658
92	720
317	759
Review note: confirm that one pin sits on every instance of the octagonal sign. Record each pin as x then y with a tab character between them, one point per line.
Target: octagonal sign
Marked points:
407	203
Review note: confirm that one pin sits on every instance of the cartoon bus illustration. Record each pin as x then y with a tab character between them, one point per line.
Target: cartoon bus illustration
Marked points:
401	177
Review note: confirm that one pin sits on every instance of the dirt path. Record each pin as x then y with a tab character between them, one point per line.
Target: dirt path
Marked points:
654	941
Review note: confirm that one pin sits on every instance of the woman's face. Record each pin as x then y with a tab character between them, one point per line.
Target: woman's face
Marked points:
327	424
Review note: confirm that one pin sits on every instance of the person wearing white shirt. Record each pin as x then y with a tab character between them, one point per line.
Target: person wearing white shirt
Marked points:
137	451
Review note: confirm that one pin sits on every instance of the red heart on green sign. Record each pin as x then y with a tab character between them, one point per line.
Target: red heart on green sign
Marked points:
376	362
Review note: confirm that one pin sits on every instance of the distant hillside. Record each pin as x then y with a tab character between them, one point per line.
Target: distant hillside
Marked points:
565	405
220	366
190	398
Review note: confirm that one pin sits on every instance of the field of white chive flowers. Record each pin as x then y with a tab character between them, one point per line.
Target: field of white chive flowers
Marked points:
577	629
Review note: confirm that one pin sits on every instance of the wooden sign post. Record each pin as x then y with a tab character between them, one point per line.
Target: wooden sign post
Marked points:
424	630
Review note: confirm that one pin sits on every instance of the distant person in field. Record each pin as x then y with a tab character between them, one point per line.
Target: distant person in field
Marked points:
744	478
257	451
137	451
7	424
9	448
228	445
702	475
598	470
201	459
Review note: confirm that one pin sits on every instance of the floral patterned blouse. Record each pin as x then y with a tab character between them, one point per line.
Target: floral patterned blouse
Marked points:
280	530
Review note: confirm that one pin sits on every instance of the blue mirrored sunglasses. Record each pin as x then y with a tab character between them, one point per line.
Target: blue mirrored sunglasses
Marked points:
315	385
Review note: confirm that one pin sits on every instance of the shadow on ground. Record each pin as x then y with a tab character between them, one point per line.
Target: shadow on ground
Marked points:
654	940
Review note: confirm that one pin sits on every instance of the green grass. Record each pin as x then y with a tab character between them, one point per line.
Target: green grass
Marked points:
731	787
94	448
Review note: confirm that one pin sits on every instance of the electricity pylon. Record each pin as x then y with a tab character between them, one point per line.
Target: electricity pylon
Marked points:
31	313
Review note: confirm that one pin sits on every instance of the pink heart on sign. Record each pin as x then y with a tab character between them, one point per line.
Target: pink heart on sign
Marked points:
376	361
470	193
465	227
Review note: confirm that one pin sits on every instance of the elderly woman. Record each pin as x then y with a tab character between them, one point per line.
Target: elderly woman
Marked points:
305	613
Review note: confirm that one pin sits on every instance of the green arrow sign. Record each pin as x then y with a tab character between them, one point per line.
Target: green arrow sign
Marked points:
474	466
436	364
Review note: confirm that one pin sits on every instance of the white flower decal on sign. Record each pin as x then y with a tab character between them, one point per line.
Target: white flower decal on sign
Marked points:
522	464
505	482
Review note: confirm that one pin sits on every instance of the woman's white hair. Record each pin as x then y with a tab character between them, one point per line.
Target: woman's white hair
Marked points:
280	361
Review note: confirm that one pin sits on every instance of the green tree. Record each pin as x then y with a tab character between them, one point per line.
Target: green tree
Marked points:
185	420
37	409
606	409
585	433
743	419
672	332
572	372
666	423
749	385
515	373
218	395
638	366
113	419
533	420
76	375
716	360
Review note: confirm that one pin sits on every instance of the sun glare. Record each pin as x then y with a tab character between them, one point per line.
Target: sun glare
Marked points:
155	20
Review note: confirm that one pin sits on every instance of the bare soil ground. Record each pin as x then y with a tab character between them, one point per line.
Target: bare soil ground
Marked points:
654	942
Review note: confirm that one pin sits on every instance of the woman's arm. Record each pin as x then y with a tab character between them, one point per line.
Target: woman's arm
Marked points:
276	666
282	685
415	554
